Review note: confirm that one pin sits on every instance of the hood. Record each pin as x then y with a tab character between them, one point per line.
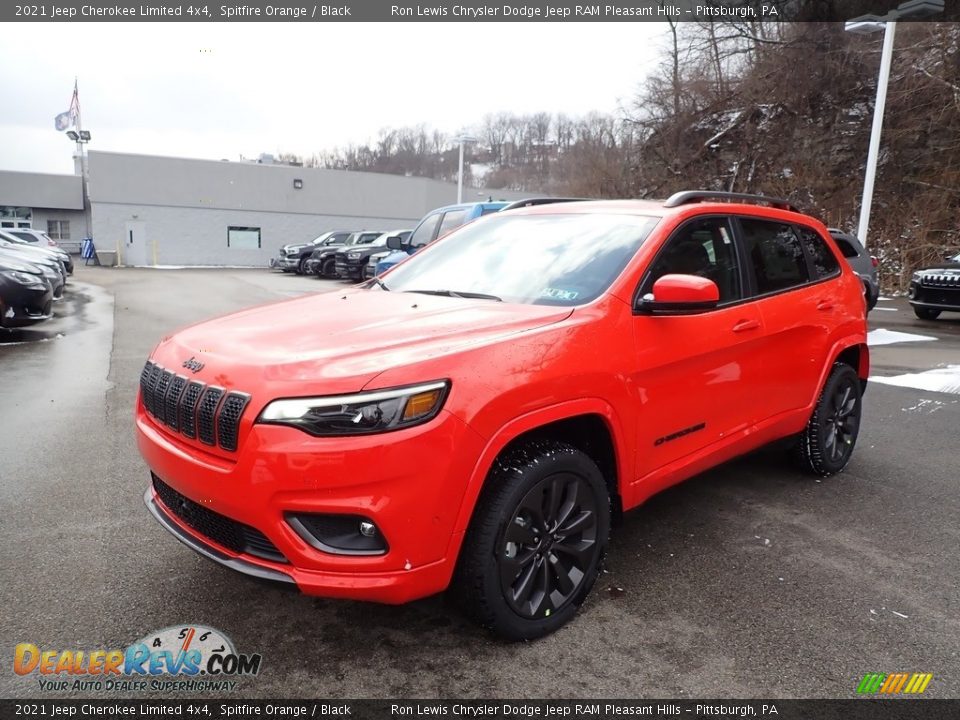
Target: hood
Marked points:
31	254
947	267
18	264
338	342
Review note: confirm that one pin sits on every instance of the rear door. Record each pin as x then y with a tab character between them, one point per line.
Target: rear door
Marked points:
789	271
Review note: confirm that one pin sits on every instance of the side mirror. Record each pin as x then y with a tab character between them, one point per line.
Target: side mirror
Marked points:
394	242
679	294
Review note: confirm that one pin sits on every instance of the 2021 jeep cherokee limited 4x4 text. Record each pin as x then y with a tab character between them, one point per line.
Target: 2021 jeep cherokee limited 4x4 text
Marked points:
465	422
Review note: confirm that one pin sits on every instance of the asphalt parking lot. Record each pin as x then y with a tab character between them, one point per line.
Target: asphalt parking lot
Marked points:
751	580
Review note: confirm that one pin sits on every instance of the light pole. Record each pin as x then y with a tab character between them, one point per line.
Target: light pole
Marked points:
867	25
81	138
463	139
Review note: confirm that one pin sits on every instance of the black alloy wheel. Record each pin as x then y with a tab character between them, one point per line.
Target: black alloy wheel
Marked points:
536	542
547	547
827	443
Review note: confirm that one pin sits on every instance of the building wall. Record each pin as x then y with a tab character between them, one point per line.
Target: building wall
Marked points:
184	206
76	218
41	190
194	236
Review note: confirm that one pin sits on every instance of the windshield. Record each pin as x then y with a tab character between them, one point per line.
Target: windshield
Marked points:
531	259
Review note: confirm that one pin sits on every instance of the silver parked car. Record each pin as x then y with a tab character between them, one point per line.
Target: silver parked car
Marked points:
864	265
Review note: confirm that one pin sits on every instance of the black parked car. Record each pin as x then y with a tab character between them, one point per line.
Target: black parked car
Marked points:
351	258
25	296
320	262
51	269
936	288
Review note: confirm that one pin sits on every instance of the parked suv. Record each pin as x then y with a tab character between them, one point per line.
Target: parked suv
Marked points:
464	422
863	264
935	289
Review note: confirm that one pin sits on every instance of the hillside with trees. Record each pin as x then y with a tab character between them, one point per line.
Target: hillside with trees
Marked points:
781	109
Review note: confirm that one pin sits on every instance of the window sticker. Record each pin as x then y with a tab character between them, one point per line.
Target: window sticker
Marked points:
559	294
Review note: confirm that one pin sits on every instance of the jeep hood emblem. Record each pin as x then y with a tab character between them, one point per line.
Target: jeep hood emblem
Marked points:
193	365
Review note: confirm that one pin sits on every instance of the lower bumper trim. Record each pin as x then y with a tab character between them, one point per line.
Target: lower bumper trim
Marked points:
208	551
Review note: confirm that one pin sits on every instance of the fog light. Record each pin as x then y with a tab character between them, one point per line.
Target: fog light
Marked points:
339	534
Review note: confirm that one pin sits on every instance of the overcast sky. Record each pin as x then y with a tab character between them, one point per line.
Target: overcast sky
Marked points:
220	91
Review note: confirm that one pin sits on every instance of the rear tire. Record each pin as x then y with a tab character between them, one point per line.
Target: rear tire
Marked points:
536	542
872	297
926	313
826	444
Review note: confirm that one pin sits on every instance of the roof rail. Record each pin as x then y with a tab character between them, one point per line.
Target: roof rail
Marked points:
530	202
691	196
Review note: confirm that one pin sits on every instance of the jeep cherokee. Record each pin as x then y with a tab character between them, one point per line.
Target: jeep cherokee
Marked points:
464	422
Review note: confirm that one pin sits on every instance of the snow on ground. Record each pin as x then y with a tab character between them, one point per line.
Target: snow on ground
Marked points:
945	380
881	336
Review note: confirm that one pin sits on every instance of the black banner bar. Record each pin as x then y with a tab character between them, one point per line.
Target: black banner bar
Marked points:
451	11
232	709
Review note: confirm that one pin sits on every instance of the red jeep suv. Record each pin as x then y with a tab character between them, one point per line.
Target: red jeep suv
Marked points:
472	418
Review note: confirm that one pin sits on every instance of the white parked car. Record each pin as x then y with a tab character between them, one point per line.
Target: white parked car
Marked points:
37	237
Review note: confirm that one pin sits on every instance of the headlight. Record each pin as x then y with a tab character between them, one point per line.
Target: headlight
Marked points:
361	414
353	256
24	278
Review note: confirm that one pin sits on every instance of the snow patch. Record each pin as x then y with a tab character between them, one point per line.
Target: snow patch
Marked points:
944	380
881	336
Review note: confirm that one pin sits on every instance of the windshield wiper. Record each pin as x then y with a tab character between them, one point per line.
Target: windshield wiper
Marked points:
381	283
458	294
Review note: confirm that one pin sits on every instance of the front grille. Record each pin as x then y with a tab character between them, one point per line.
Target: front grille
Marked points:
197	411
943	280
222	530
939	296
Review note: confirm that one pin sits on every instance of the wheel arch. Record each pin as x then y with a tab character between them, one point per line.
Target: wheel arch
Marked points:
589	424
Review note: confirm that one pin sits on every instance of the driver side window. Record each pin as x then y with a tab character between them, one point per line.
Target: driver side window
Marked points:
704	248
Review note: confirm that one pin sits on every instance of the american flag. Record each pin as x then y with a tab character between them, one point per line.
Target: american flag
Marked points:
70	118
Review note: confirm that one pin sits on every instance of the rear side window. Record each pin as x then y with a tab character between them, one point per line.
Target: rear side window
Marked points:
846	247
489	211
824	261
453	219
776	255
426	231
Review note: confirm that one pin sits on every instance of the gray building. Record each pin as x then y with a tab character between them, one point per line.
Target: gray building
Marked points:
156	210
52	203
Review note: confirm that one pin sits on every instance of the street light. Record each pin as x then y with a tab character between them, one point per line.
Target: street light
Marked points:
463	139
867	25
81	138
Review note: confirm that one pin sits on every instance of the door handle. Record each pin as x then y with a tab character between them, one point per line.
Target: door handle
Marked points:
745	325
824	305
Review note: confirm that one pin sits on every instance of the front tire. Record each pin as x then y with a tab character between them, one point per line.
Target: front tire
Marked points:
827	443
302	267
328	269
536	542
926	313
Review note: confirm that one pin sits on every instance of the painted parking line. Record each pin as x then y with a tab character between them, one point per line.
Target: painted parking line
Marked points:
886	309
881	336
944	380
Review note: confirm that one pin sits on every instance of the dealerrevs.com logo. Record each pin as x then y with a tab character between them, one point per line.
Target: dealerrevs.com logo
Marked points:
181	657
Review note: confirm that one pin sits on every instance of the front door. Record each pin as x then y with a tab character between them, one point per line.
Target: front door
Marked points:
695	374
135	244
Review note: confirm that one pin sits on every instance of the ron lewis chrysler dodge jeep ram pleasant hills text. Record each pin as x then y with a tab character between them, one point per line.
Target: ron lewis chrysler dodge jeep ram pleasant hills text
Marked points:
473	418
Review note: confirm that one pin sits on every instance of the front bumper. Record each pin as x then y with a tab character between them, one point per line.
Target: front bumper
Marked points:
31	304
286	263
939	297
410	483
350	268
